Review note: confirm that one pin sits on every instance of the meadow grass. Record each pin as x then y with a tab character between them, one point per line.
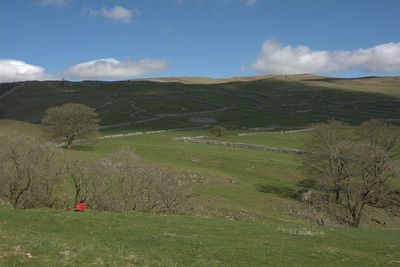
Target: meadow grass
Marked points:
122	239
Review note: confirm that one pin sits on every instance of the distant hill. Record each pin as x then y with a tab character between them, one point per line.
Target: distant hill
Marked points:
205	80
176	102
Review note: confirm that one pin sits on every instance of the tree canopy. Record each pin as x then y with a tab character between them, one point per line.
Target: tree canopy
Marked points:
71	121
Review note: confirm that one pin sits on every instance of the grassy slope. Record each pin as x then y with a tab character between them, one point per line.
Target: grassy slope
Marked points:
255	170
253	102
267	180
120	239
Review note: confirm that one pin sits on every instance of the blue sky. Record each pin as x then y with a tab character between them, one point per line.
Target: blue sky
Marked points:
109	40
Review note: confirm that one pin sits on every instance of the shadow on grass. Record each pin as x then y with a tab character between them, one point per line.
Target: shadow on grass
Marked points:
282	191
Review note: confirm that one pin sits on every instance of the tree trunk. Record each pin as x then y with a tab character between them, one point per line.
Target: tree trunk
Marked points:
69	144
70	139
337	196
15	204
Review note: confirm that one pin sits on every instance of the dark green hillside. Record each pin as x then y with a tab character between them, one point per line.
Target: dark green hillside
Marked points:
289	101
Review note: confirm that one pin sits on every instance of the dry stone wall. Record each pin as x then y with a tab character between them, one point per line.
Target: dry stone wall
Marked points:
241	145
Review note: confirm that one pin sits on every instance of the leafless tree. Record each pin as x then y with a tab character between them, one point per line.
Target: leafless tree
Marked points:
355	162
28	172
46	188
83	174
330	158
382	140
149	188
126	175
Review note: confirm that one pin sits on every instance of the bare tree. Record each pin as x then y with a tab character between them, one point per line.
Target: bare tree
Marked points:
126	174
35	175
28	172
46	188
145	188
330	158
354	162
173	194
382	140
71	121
83	174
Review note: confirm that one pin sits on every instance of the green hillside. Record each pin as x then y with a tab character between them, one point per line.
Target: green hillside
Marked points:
289	101
244	213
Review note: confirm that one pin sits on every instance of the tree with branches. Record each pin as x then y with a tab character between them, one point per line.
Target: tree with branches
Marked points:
71	121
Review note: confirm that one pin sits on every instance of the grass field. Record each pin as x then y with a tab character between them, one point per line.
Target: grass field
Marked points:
274	139
242	214
131	239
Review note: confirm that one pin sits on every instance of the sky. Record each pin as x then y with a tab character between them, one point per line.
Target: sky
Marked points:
123	39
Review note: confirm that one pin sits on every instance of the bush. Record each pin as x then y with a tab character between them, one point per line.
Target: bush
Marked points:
219	131
29	173
33	175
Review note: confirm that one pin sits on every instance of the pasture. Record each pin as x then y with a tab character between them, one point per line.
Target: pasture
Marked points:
245	213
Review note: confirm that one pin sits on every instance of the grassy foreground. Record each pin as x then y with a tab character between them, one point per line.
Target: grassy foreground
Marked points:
122	239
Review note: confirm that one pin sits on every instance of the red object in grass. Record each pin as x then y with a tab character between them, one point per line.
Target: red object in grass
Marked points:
80	207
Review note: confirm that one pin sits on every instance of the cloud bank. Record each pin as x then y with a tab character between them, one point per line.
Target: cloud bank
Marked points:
277	59
110	68
12	70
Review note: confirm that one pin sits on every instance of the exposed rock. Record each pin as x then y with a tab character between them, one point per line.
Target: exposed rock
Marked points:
29	255
227	180
303	195
65	253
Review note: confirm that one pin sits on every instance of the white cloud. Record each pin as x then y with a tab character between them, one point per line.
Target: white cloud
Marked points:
59	3
383	58
276	59
12	70
252	2
119	13
110	68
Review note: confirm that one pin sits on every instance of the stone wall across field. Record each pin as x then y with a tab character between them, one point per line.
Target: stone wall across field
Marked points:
241	145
